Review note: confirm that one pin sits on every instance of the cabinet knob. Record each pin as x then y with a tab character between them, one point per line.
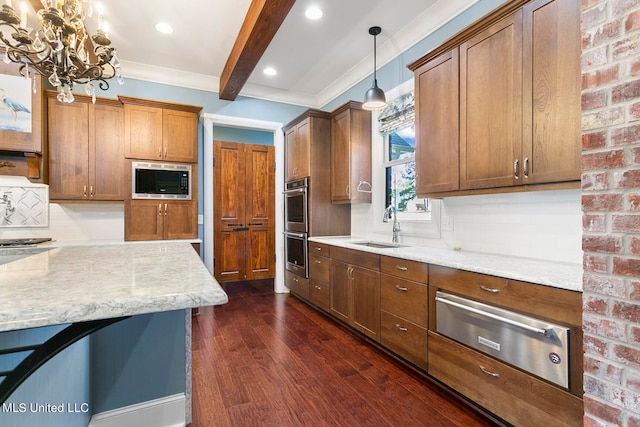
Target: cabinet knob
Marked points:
91	191
159	208
165	209
525	167
165	152
160	152
492	290
401	288
401	328
401	268
491	374
516	162
84	191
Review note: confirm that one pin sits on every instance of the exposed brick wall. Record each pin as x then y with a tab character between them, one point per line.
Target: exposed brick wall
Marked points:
611	211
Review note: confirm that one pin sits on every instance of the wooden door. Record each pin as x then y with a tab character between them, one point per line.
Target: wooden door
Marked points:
107	175
180	136
365	285
143	132
340	157
491	106
229	211
340	290
144	220
260	211
68	150
437	124
552	107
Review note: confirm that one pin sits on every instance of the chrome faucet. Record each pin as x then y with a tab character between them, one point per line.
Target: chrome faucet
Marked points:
396	225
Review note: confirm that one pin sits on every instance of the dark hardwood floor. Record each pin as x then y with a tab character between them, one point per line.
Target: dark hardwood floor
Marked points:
267	359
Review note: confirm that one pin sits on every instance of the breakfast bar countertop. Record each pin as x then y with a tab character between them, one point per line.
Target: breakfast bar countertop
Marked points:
556	274
56	285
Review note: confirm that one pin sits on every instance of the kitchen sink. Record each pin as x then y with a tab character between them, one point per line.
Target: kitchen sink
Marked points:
379	245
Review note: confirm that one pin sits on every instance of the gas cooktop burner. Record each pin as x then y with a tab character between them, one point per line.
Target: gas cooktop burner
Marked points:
28	241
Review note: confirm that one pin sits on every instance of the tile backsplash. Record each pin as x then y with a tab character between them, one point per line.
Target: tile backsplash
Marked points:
23	204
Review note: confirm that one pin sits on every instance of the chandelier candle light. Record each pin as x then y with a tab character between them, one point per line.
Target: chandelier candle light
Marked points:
57	51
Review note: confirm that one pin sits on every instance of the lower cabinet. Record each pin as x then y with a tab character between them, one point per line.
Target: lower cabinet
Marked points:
355	290
319	275
160	220
513	395
297	284
403	304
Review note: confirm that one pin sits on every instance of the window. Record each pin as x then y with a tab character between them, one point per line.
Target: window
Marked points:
400	168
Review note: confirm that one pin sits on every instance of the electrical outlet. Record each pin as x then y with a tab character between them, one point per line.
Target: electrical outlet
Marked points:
447	223
200	219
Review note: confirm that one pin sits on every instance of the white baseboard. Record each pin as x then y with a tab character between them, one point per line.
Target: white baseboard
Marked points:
164	412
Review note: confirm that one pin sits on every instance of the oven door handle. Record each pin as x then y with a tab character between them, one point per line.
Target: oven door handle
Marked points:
543	332
295	190
292	234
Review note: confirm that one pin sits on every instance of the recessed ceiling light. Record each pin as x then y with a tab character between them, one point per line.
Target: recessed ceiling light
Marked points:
164	28
313	12
270	71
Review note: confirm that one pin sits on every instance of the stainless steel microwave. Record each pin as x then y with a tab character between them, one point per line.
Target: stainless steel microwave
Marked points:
160	181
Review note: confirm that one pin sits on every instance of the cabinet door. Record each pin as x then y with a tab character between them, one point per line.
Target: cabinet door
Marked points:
106	153
340	158
260	211
68	150
144	220
491	106
180	136
298	141
180	220
143	132
340	290
290	155
552	85
366	301
437	140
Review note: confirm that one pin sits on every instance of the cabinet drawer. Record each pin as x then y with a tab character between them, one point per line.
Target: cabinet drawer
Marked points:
297	284
319	268
541	301
321	249
319	294
404	298
404	338
407	269
511	394
359	258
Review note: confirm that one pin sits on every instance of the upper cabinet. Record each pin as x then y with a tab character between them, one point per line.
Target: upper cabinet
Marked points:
516	119
160	131
298	147
86	149
351	154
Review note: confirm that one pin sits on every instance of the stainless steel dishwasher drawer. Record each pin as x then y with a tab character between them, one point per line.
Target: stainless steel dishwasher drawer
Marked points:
533	345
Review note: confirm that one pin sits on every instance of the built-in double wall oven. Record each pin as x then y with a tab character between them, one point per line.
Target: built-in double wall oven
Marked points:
296	225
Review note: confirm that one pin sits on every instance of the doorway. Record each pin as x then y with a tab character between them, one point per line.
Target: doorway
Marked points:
244	211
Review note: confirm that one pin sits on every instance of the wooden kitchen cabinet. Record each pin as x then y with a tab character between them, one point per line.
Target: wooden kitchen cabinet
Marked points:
403	304
298	147
319	275
157	130
488	381
161	220
436	123
355	290
351	154
86	149
519	103
491	105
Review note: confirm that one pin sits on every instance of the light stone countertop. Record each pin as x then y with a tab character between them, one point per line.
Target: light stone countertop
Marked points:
556	274
65	284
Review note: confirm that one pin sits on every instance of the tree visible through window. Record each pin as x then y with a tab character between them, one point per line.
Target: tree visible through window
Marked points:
401	173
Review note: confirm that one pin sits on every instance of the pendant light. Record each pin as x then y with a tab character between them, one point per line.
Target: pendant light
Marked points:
374	99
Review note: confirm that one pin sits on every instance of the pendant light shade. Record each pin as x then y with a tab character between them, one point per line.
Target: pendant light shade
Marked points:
374	99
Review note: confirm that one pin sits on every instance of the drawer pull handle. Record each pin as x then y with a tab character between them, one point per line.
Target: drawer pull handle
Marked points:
401	328
318	249
401	268
492	290
492	374
317	287
318	261
401	288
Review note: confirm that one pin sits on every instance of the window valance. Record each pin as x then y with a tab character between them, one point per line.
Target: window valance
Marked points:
397	115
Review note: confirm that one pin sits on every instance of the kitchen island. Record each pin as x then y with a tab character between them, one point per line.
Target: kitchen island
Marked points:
152	285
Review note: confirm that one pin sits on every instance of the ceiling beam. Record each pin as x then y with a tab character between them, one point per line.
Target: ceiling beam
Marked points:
260	25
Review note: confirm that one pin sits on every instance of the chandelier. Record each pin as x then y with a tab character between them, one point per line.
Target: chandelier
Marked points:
58	50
